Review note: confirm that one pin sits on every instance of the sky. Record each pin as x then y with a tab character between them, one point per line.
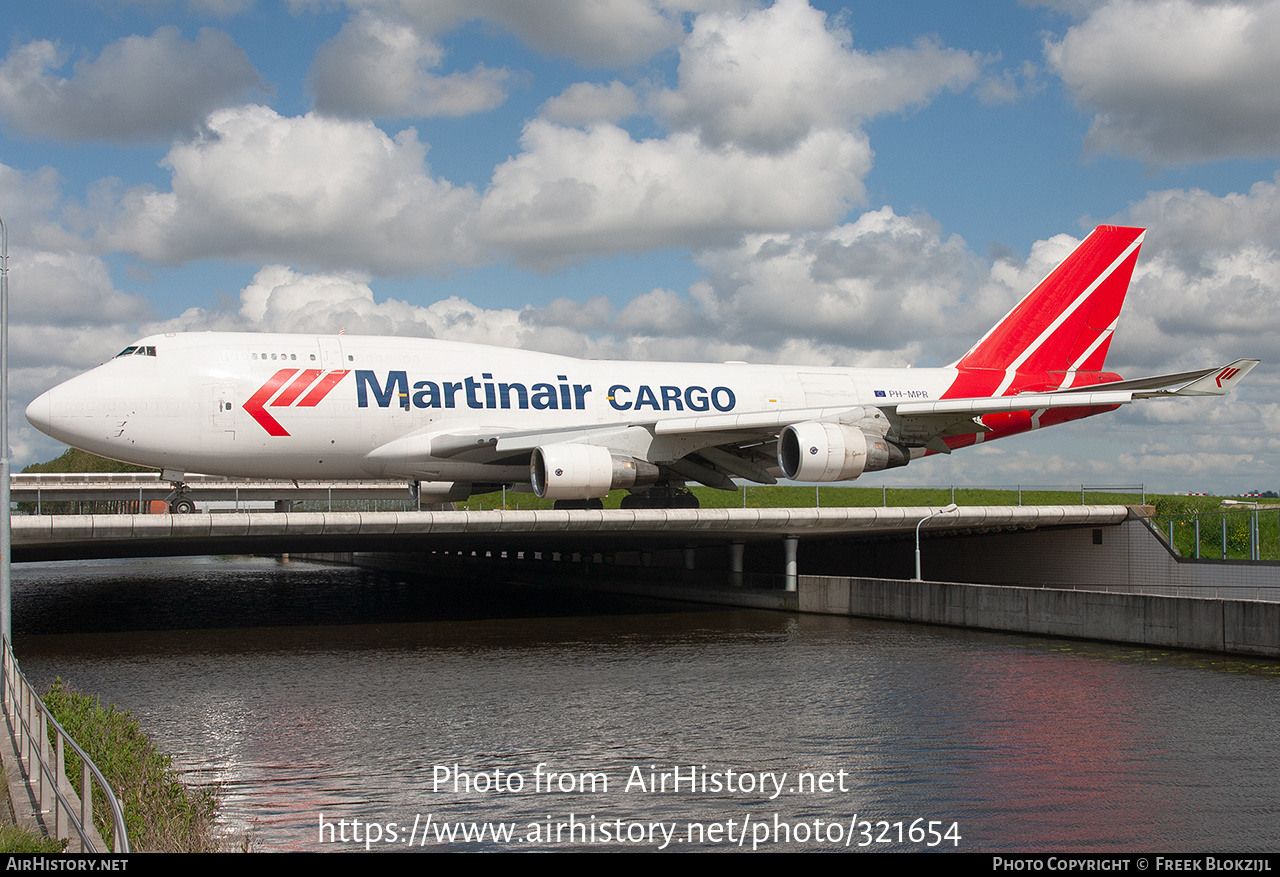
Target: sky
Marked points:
787	182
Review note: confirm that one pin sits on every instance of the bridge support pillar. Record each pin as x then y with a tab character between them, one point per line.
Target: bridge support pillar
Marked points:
789	546
736	552
689	555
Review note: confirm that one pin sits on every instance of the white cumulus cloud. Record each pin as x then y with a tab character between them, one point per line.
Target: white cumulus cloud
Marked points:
766	79
315	190
139	88
603	33
1174	81
585	102
280	299
383	68
574	193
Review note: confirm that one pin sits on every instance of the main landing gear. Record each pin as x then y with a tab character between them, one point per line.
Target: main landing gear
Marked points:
563	504
664	497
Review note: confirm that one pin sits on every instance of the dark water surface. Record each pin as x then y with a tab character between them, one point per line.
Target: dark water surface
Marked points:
320	695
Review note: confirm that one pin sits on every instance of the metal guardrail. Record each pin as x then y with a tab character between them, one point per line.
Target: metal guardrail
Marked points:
1232	533
29	722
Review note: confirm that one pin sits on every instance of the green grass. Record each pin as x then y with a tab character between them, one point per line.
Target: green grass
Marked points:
161	813
17	840
796	496
1182	510
75	460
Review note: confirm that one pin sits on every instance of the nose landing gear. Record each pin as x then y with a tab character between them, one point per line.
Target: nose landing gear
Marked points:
179	499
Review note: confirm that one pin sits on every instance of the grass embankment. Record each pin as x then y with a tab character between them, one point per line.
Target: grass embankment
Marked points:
17	840
161	813
1182	510
789	496
75	460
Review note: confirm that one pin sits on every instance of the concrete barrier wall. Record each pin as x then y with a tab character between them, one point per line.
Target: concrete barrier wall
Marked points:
1233	626
1128	556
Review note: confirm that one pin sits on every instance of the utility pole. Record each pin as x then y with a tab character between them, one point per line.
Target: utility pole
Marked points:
6	590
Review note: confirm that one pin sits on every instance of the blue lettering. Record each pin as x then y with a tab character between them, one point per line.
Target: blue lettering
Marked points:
725	406
522	395
472	385
366	380
428	395
619	404
544	397
541	396
646	397
450	390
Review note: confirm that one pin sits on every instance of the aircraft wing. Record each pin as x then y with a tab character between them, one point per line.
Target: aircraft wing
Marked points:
499	442
924	423
711	448
1216	381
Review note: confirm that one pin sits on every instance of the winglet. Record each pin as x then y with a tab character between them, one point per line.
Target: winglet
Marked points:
1220	381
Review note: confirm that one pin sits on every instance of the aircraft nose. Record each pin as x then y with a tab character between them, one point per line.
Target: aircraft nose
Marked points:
40	412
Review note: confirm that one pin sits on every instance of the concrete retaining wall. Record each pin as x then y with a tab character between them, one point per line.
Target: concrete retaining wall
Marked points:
1233	626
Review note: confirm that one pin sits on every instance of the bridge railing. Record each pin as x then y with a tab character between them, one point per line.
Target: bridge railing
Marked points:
31	727
1247	531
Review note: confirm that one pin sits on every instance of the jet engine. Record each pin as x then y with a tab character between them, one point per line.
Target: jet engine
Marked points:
574	471
814	451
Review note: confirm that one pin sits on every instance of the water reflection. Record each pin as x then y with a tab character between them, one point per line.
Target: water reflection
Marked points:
305	690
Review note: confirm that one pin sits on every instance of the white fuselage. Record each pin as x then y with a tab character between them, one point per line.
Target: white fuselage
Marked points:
305	406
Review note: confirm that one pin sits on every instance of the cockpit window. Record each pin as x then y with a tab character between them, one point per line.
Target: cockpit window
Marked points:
126	352
137	350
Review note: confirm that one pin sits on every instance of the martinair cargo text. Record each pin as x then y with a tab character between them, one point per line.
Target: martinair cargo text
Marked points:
453	418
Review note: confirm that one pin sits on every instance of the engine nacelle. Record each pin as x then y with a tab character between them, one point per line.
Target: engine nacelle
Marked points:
574	471
814	451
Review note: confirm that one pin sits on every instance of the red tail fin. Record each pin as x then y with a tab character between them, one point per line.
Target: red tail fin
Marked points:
1065	323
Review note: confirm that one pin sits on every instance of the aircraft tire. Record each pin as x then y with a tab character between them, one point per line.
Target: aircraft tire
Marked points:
570	504
676	499
182	507
683	501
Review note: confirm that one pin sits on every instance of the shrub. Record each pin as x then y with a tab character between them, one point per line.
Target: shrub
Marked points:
161	813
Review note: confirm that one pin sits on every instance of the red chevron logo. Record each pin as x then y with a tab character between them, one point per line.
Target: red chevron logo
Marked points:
1227	374
256	405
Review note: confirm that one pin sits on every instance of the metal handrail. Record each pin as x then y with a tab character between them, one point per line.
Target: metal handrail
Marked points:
29	724
1216	536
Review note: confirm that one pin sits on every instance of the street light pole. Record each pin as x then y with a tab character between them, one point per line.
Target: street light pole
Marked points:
945	510
6	591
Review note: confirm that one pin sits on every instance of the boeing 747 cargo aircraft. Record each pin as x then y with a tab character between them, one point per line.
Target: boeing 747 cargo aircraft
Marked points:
453	418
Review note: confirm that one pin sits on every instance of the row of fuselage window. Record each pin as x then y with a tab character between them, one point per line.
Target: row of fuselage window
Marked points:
285	356
140	350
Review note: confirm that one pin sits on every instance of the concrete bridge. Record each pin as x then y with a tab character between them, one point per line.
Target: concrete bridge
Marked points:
591	532
1043	561
139	490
